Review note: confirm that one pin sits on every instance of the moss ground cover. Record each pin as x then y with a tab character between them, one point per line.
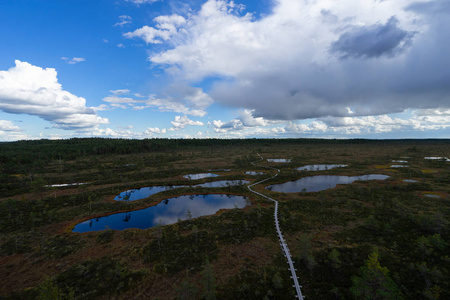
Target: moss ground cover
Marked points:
341	238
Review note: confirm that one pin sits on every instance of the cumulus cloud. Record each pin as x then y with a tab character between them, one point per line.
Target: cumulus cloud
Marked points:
186	100
155	130
73	60
8	126
124	20
166	27
181	122
244	121
373	41
312	59
28	89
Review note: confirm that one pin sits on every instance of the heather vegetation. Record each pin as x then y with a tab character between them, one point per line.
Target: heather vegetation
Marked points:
380	239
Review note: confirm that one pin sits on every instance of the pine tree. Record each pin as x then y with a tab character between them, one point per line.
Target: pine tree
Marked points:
374	283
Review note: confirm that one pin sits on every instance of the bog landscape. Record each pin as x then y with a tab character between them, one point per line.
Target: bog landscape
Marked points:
176	219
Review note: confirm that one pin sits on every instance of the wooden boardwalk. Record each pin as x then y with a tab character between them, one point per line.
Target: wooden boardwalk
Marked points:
283	243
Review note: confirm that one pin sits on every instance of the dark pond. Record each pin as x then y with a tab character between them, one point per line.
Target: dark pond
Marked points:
319	167
166	212
254	173
145	192
199	176
320	183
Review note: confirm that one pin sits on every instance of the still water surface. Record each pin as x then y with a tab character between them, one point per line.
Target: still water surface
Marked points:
319	167
145	192
166	212
278	160
199	176
254	173
320	183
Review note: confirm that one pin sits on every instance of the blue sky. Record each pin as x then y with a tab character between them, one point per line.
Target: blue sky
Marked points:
230	69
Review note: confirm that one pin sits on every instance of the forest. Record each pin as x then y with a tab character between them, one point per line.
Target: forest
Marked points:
369	239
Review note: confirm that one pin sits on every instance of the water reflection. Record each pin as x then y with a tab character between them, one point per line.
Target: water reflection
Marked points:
145	192
199	176
166	212
254	173
222	183
437	158
278	160
410	180
319	167
399	166
320	183
432	196
65	184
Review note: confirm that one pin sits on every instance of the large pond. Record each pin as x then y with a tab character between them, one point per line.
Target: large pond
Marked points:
199	176
145	192
320	183
168	211
319	167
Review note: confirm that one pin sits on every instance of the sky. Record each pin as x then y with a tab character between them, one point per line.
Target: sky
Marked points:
377	69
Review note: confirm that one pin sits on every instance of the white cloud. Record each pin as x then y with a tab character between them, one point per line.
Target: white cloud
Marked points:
166	27
137	2
120	45
28	89
124	19
245	121
313	59
189	101
8	126
155	130
73	60
120	92
181	122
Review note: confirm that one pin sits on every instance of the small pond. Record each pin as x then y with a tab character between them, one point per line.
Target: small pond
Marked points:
437	158
432	196
145	192
398	166
199	176
400	161
410	180
320	183
278	160
319	167
254	173
64	184
166	212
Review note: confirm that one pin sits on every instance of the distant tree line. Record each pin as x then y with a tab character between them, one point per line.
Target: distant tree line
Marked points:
19	153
